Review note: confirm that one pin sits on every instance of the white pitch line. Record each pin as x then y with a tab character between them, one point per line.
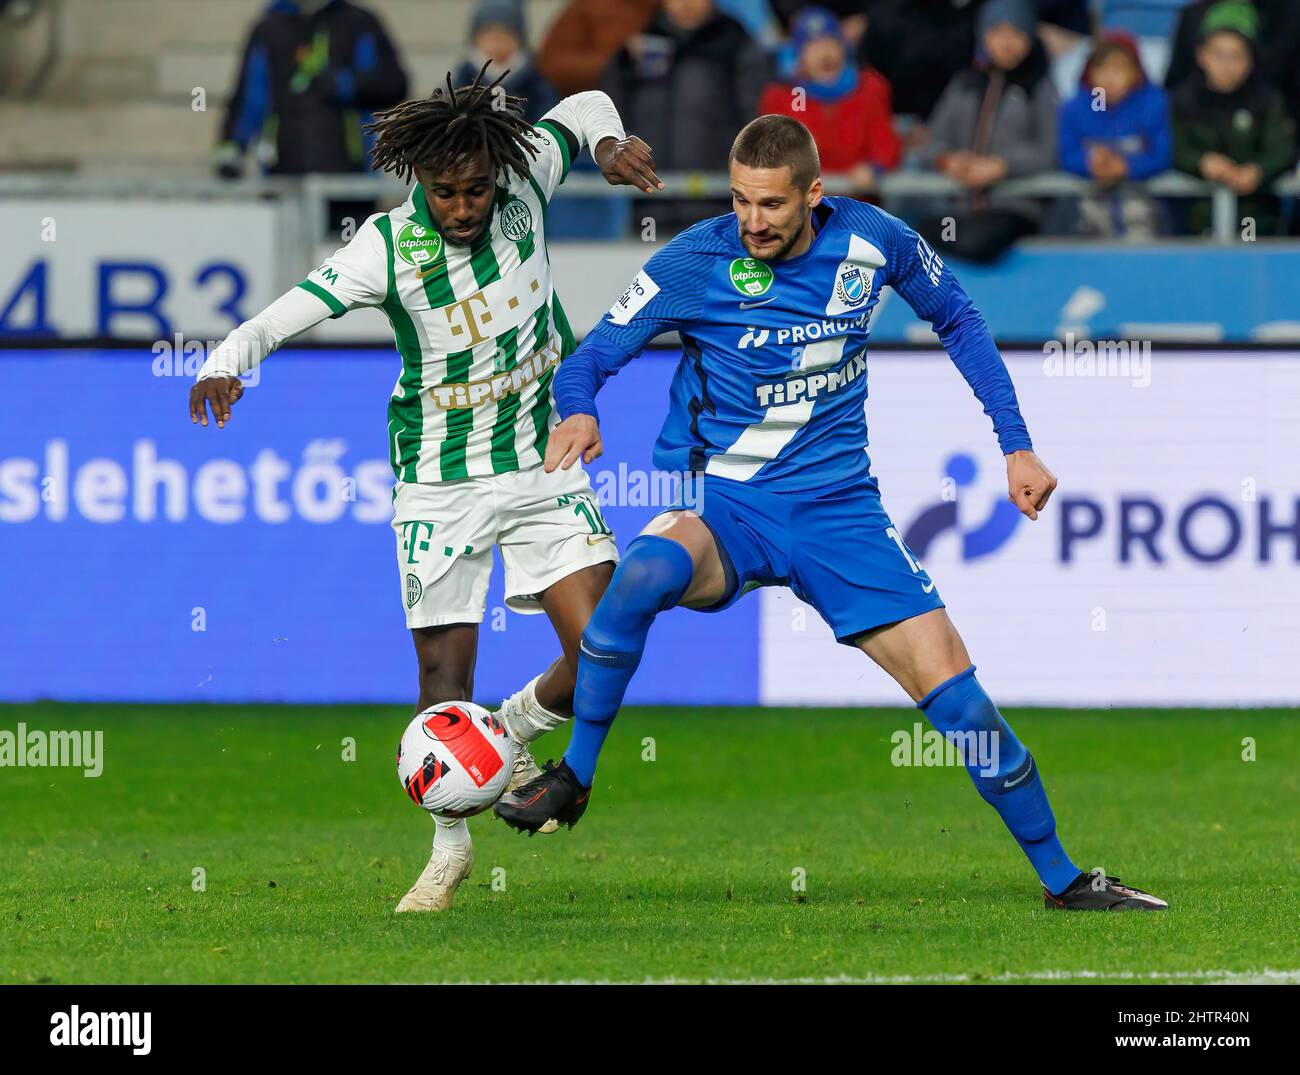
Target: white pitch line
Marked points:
1267	976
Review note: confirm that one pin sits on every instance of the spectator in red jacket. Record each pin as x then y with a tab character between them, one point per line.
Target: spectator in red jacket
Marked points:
847	108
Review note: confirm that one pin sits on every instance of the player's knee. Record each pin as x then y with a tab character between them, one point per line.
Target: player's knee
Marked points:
961	707
651	578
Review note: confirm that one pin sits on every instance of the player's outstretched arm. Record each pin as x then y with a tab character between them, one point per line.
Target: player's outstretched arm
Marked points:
355	275
1029	482
577	436
218	385
218	392
664	296
627	162
920	276
580	377
590	119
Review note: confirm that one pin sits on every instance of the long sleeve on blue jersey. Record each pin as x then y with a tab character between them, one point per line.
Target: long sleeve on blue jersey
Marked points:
584	373
667	294
930	288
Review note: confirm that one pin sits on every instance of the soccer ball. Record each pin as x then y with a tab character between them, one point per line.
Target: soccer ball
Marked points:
455	759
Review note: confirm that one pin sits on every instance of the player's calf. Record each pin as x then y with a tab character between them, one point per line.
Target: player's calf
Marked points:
650	579
1005	775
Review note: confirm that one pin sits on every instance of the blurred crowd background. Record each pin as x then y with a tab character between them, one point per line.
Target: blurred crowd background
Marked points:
1112	181
983	93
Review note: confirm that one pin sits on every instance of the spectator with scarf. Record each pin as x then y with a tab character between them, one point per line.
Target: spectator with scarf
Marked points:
847	109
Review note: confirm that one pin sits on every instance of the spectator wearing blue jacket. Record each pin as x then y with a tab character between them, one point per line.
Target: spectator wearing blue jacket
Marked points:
1116	129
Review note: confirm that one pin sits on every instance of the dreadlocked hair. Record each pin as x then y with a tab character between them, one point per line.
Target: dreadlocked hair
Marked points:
452	126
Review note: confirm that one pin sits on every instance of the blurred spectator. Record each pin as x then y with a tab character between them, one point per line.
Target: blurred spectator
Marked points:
1277	46
995	121
1150	22
687	84
1115	129
312	73
1231	127
847	109
586	36
918	45
851	13
497	36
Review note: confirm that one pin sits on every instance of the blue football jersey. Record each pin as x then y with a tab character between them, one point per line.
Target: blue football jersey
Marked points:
772	384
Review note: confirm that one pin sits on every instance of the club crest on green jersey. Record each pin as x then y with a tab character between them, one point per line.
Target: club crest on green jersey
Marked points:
516	220
751	277
418	245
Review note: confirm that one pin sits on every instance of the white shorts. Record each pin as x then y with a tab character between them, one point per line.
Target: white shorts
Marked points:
547	526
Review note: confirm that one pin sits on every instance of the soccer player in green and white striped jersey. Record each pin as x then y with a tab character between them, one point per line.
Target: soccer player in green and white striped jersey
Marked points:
462	272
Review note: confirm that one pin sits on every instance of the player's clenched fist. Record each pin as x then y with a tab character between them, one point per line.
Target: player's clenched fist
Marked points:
578	435
1029	483
219	392
627	162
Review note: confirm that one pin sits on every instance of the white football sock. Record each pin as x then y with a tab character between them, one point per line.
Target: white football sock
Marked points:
525	717
451	834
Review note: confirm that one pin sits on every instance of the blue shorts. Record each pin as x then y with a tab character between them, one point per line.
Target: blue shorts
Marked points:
835	548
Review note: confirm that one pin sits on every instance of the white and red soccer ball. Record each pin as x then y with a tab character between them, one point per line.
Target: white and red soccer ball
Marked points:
455	759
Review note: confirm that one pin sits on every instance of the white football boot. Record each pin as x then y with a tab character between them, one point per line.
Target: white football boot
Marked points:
434	888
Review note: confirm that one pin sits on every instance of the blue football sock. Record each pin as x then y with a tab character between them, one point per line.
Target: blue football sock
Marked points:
651	578
959	706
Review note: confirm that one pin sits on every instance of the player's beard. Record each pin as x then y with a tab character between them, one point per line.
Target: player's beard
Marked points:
783	247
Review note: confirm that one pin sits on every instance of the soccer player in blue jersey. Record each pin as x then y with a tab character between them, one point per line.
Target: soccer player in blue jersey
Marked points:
766	423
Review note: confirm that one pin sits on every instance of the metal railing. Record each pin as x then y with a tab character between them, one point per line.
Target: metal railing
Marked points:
304	199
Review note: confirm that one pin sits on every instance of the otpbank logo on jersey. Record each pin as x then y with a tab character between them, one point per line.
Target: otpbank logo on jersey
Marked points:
418	245
751	277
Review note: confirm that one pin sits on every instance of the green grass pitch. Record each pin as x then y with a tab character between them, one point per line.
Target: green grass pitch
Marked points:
684	868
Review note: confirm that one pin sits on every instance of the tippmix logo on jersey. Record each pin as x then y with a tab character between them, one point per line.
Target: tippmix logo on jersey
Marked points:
418	245
516	220
751	277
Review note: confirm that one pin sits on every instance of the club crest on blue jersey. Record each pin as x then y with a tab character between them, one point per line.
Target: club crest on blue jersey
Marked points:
850	287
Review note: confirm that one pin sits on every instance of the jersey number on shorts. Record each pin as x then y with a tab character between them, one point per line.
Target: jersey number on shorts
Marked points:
587	509
913	563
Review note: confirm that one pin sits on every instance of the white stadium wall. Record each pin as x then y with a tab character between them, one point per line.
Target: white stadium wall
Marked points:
1079	608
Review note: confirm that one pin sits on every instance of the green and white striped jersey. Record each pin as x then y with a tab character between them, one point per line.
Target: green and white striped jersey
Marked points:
480	329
